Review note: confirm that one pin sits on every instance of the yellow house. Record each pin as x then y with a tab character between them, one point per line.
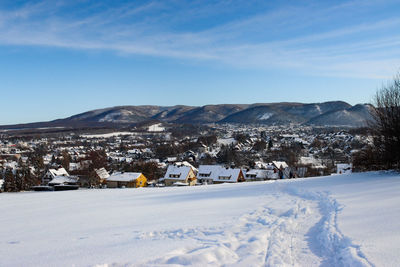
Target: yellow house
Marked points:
180	174
126	179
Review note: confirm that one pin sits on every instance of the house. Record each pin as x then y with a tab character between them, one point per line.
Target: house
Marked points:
102	175
181	173
52	173
280	164
262	174
64	180
60	183
1	185
215	174
74	166
126	179
283	169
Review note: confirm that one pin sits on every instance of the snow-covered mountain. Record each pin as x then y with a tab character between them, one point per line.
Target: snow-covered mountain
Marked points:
335	113
354	116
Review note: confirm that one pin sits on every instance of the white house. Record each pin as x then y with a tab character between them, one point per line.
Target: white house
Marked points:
181	173
52	173
216	174
64	180
262	174
102	174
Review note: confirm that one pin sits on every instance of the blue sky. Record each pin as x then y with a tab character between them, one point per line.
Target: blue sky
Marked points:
59	58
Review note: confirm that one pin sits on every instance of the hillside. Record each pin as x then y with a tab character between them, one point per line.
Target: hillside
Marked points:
335	113
355	116
346	220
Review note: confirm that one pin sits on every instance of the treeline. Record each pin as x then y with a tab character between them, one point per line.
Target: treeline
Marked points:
19	180
384	150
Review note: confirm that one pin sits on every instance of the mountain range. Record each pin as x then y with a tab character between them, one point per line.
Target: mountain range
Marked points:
334	113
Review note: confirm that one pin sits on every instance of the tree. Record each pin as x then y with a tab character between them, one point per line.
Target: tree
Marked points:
9	181
66	159
260	145
98	158
270	144
385	125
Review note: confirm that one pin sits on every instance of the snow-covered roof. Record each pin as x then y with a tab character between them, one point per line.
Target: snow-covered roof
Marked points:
218	173
280	164
185	163
59	172
177	172
261	174
63	180
102	173
124	177
315	163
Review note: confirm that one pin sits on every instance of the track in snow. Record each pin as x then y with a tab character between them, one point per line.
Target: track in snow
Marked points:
291	228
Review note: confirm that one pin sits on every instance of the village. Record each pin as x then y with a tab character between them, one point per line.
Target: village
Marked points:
159	155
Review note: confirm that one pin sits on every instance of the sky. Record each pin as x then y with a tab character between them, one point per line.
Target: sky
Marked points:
60	58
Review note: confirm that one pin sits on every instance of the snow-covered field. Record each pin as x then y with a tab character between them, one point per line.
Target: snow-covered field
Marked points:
107	135
156	128
347	220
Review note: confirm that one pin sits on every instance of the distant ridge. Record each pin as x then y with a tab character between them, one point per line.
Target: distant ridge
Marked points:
333	113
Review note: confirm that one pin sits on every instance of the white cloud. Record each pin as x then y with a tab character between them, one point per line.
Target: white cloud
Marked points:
358	50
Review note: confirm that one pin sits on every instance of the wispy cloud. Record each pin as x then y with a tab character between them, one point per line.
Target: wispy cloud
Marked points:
298	38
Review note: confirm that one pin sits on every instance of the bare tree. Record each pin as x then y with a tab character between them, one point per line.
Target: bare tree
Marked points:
386	123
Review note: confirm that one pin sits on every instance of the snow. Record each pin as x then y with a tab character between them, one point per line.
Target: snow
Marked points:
63	180
344	168
280	164
102	173
219	173
265	116
178	171
59	172
315	163
342	220
226	141
124	177
107	135
156	128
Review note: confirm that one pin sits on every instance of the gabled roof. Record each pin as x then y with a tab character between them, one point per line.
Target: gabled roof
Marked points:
124	177
261	174
218	173
63	180
102	173
176	172
280	164
59	172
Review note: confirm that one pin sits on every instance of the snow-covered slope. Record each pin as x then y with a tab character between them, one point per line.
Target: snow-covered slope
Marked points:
348	220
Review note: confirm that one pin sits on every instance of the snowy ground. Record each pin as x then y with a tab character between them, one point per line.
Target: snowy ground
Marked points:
107	135
348	220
